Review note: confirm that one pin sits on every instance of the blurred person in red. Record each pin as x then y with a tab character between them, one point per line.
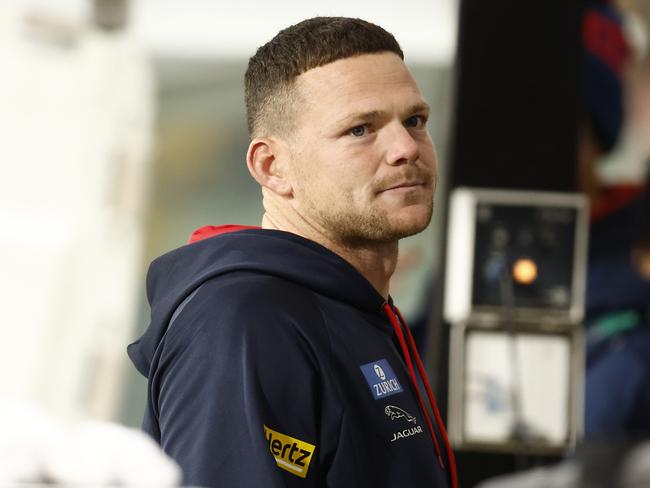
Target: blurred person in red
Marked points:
618	290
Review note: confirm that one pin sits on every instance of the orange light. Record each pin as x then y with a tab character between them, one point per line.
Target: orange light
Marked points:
524	271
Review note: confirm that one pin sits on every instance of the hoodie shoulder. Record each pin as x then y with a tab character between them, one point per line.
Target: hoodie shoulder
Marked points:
245	303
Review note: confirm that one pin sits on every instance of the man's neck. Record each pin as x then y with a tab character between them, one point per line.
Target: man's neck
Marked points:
375	261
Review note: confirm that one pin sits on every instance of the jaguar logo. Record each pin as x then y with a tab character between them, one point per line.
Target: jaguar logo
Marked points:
397	413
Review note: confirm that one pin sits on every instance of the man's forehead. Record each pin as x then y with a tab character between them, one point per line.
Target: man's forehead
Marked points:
359	68
358	83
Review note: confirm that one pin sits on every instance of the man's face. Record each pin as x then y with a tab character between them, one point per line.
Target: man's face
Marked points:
362	163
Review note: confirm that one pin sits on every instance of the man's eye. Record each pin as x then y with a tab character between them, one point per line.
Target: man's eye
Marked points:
416	121
358	131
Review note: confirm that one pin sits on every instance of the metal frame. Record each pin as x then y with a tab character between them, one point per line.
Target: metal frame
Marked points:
460	254
458	380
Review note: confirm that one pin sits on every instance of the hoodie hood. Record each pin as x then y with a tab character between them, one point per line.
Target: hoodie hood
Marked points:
222	250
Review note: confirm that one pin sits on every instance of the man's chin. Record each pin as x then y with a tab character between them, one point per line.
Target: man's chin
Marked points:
396	230
409	230
387	226
411	220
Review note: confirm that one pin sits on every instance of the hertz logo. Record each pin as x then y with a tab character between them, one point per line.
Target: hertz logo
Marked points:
290	454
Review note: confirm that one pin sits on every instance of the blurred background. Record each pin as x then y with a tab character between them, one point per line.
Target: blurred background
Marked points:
123	130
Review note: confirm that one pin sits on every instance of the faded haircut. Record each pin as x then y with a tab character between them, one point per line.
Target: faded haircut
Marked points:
272	71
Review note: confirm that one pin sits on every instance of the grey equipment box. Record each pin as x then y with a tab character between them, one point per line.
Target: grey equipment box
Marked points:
514	298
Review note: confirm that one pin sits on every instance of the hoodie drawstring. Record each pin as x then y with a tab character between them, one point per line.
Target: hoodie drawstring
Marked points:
408	349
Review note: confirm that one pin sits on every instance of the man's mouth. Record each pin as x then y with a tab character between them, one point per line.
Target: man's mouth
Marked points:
404	186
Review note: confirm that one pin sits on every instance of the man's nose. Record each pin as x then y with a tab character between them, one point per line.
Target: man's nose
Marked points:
401	148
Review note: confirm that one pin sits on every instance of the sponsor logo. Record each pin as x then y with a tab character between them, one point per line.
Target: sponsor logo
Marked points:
397	413
381	379
406	433
290	454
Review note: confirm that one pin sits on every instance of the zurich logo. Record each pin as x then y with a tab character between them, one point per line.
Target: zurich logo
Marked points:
381	379
380	372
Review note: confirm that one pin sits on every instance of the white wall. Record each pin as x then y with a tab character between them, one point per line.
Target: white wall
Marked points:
426	29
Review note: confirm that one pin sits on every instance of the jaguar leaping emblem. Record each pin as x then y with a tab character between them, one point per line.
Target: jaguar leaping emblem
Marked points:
397	413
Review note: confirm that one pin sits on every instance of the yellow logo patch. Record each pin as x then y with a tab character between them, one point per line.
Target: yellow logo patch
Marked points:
290	454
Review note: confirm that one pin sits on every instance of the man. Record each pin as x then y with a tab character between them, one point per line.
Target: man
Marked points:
275	356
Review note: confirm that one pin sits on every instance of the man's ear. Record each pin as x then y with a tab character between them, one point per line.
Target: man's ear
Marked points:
265	163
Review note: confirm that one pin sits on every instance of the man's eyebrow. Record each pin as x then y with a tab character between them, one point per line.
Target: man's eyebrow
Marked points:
357	116
419	107
376	114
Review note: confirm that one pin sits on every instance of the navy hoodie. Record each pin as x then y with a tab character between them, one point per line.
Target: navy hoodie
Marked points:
271	362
